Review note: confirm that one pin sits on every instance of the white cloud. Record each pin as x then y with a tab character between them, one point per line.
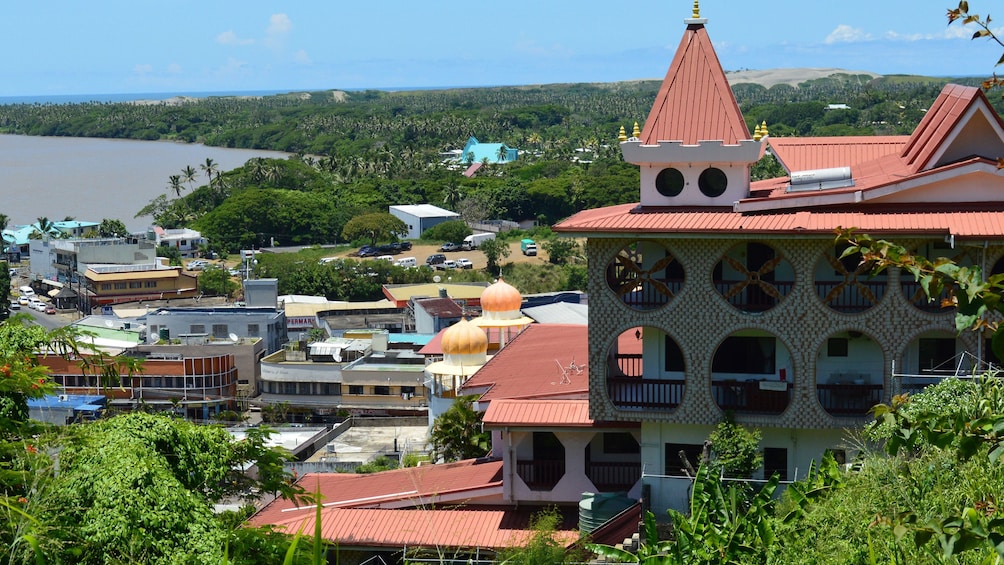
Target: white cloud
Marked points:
174	69
847	34
279	26
143	69
302	58
230	38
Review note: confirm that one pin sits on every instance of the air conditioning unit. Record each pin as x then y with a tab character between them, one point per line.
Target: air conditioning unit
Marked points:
64	397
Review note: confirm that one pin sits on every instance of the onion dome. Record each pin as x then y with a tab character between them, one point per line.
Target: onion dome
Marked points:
500	298
464	338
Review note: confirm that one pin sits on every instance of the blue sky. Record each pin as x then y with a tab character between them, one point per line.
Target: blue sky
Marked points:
114	46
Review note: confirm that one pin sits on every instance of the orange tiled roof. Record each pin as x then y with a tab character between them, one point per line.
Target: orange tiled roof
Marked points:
941	118
974	222
491	528
537	364
808	153
695	102
532	413
400	488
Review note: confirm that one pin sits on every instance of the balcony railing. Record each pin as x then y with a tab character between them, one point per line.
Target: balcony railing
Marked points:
638	393
613	476
753	298
915	294
540	475
848	399
628	365
749	397
851	298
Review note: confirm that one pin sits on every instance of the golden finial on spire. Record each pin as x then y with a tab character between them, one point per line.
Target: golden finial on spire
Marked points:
697	10
636	132
622	136
757	133
763	129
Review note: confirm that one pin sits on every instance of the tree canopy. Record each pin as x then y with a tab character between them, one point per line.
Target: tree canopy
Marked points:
374	227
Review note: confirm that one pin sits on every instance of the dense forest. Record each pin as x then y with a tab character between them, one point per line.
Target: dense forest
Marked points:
358	152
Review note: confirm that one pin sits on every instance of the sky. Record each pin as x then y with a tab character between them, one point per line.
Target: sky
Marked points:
63	47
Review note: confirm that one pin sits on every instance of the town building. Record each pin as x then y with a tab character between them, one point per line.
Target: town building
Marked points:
187	241
105	285
738	296
67	260
420	217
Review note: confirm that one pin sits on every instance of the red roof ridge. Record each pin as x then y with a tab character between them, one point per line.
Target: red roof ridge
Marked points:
695	77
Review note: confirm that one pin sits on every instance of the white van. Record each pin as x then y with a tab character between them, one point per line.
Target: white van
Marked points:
406	262
27	291
388	258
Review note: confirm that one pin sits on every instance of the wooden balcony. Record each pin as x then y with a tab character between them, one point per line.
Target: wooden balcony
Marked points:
853	297
848	399
540	475
750	397
615	476
638	393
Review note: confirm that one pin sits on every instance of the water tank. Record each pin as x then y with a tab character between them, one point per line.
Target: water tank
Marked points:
596	509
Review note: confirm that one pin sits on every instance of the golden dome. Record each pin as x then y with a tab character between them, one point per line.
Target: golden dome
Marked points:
464	338
501	297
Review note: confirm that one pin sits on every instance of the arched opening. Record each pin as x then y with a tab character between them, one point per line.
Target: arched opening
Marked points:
751	373
846	284
645	275
849	371
645	370
753	277
541	464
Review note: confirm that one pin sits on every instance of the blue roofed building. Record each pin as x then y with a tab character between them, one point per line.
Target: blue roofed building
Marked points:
63	409
492	153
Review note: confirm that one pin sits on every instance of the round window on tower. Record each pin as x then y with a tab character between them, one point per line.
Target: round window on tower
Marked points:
669	182
713	182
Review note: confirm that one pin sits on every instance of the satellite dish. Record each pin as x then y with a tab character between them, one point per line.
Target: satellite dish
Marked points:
234	338
436	278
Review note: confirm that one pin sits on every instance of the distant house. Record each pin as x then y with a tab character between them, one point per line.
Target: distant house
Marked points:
186	241
494	153
420	217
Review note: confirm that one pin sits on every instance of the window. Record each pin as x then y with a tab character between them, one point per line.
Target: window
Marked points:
356	389
775	460
331	389
937	354
743	354
669	182
287	388
252	330
381	390
106	286
304	388
674	356
196	329
220	331
136	284
620	443
150	284
674	465
121	286
836	347
713	182
408	390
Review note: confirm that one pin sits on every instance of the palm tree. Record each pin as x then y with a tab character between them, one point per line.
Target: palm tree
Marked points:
43	228
188	175
503	152
175	184
210	168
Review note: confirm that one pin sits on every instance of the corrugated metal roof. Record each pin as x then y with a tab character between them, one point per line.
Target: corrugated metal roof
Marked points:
545	360
695	102
934	218
809	153
424	527
534	413
941	118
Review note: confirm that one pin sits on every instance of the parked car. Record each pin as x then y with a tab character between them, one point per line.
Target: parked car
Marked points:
368	251
22	300
15	305
39	305
450	246
389	249
465	263
196	265
50	309
448	264
405	245
435	259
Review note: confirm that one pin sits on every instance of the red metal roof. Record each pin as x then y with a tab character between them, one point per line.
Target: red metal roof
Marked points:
450	482
544	361
808	153
941	118
534	413
491	528
695	102
975	221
